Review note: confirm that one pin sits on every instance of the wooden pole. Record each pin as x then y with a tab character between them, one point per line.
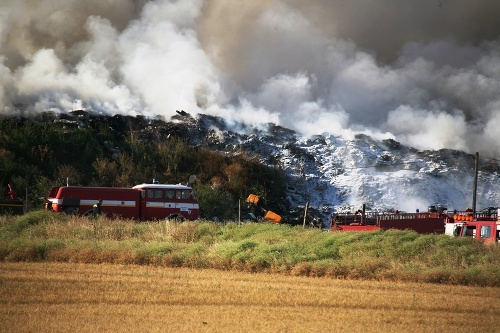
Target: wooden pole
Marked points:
305	214
239	211
476	171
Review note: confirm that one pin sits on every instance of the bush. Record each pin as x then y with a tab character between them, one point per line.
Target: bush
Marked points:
215	203
253	247
33	218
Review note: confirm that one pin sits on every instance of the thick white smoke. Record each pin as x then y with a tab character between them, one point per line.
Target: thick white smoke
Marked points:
425	73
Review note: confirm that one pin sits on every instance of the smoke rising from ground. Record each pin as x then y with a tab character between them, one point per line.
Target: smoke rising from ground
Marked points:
426	73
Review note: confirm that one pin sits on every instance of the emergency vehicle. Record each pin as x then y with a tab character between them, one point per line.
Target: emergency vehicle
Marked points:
484	227
141	202
430	222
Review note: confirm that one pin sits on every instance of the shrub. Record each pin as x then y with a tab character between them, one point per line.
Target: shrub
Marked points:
33	218
253	247
181	231
157	248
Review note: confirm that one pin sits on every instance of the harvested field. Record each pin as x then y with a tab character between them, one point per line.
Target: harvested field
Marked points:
66	297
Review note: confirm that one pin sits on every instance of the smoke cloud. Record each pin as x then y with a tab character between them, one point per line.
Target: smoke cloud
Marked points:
426	73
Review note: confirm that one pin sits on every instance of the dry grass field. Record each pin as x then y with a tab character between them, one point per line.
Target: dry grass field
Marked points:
66	297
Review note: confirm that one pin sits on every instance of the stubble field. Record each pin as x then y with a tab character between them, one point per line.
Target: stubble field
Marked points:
70	297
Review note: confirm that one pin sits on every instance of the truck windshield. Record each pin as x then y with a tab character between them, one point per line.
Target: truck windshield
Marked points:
184	194
485	231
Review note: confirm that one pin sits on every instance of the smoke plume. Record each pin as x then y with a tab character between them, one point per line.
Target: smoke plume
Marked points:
426	73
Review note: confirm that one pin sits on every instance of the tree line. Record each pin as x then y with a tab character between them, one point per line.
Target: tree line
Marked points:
37	155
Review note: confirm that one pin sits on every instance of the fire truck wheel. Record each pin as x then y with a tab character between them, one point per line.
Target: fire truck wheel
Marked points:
176	218
71	211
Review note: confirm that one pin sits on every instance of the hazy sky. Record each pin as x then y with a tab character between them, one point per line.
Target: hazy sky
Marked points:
426	73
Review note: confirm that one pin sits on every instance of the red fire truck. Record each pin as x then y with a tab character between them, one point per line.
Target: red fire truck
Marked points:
423	223
484	227
430	222
141	202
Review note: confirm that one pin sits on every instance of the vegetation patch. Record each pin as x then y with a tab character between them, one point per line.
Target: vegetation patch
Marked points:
254	247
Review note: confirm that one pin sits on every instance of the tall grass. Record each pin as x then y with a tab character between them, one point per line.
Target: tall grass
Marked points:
393	255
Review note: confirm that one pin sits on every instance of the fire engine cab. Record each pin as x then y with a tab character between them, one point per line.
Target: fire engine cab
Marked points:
480	226
141	202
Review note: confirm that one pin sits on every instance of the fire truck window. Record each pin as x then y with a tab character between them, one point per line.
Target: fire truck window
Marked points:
169	194
150	194
158	194
470	231
182	194
485	231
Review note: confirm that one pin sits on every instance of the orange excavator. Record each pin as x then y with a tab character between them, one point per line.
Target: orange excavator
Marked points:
257	209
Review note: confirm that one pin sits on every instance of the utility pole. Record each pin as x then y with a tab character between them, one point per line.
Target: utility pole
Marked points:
305	214
476	167
239	211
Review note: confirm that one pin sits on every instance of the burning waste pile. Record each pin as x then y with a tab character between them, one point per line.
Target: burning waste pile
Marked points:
388	117
329	174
